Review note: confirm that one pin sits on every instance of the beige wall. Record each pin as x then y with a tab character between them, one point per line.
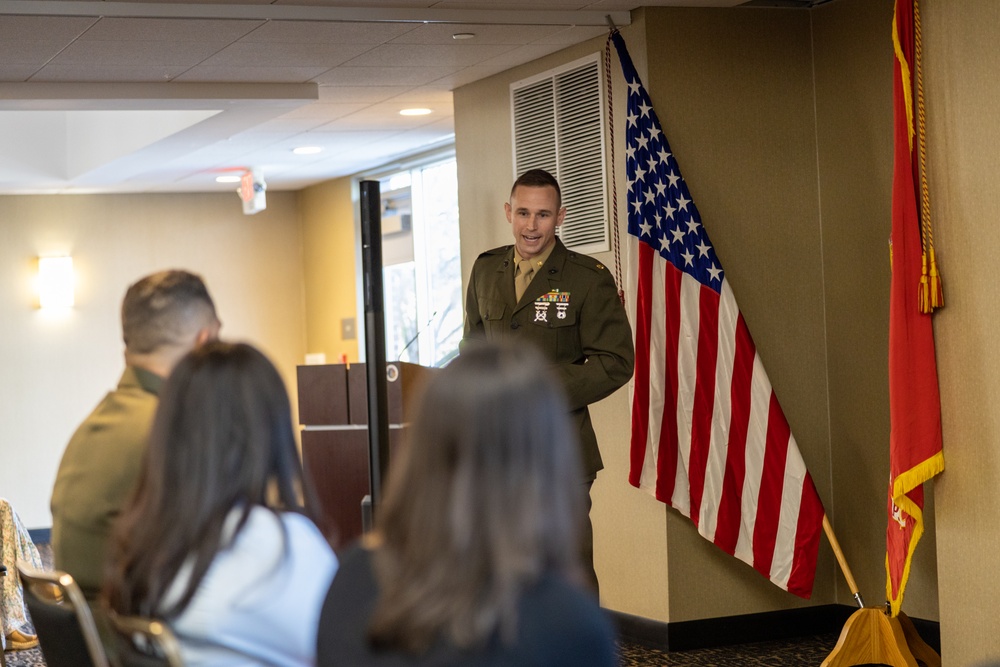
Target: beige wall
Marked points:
56	368
329	267
960	63
781	122
854	105
734	93
730	115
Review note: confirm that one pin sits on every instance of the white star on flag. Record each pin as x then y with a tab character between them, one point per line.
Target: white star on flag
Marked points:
708	435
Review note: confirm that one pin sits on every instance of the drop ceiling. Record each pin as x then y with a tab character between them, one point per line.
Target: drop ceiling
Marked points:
166	96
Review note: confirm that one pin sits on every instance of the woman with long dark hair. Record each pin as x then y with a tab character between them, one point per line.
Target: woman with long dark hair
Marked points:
475	556
215	541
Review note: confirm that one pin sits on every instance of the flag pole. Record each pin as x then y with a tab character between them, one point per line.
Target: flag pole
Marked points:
844	567
870	636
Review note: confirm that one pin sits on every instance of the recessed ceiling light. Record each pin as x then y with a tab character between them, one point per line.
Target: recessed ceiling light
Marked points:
307	150
463	35
227	179
414	112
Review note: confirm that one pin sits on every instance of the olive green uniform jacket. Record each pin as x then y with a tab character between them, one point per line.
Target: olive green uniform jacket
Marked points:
572	313
97	473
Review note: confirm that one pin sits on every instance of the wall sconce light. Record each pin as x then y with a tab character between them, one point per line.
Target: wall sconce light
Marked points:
55	282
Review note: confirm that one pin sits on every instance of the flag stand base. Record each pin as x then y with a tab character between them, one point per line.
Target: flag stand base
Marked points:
870	636
923	653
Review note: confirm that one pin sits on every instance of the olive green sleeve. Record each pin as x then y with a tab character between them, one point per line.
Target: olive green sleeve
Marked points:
474	329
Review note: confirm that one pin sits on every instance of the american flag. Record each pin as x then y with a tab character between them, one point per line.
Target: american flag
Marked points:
708	436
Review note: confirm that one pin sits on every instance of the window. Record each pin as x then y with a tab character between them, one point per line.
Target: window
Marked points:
558	125
421	263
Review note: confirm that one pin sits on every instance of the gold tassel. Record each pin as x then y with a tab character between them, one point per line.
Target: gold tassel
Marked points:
937	289
924	297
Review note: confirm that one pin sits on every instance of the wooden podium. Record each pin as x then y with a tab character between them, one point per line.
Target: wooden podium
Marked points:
333	412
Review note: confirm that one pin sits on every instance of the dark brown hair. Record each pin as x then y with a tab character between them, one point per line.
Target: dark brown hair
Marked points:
222	441
163	309
538	178
484	499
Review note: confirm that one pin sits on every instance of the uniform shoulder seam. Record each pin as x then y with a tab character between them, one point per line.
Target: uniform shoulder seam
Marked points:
586	261
495	251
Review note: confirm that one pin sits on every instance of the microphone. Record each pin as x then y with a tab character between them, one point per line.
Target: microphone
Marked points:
417	335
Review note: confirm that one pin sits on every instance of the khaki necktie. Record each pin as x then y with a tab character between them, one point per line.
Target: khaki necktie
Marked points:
525	271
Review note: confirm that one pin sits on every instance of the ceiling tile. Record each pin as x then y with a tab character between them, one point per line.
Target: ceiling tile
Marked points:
441	33
344	139
26	52
408	142
625	5
431	94
50	28
383	76
388	4
204	74
320	32
396	55
381	117
507	61
105	73
364	94
293	124
215	31
552	5
573	35
326	111
284	54
10	73
367	71
177	54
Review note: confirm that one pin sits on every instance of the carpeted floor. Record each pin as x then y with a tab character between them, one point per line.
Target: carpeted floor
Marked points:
805	652
808	652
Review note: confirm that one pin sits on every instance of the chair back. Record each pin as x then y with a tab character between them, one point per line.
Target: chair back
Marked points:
62	618
145	642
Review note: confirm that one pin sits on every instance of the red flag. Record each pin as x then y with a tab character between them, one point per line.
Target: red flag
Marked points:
914	403
708	436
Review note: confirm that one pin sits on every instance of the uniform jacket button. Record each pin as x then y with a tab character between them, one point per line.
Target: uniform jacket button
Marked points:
514	324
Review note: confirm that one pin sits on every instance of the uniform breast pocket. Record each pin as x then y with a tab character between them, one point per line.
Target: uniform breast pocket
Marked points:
493	313
557	325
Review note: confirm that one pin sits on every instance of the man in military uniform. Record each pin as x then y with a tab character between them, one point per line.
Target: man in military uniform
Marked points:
164	316
565	303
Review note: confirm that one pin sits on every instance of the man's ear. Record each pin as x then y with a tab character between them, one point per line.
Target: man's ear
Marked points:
561	216
206	334
507	211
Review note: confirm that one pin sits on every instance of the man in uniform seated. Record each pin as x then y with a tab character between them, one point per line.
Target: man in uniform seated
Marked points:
164	316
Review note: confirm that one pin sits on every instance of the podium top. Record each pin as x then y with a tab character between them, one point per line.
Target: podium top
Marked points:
337	394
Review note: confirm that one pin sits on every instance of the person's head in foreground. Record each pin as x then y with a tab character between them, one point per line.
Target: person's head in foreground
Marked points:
221	444
164	316
477	539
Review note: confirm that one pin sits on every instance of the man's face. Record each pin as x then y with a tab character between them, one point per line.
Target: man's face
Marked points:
534	214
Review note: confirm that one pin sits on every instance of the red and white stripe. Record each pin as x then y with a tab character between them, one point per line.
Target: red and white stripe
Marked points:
708	436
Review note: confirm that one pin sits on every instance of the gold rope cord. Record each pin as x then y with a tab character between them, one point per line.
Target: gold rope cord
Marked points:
931	292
